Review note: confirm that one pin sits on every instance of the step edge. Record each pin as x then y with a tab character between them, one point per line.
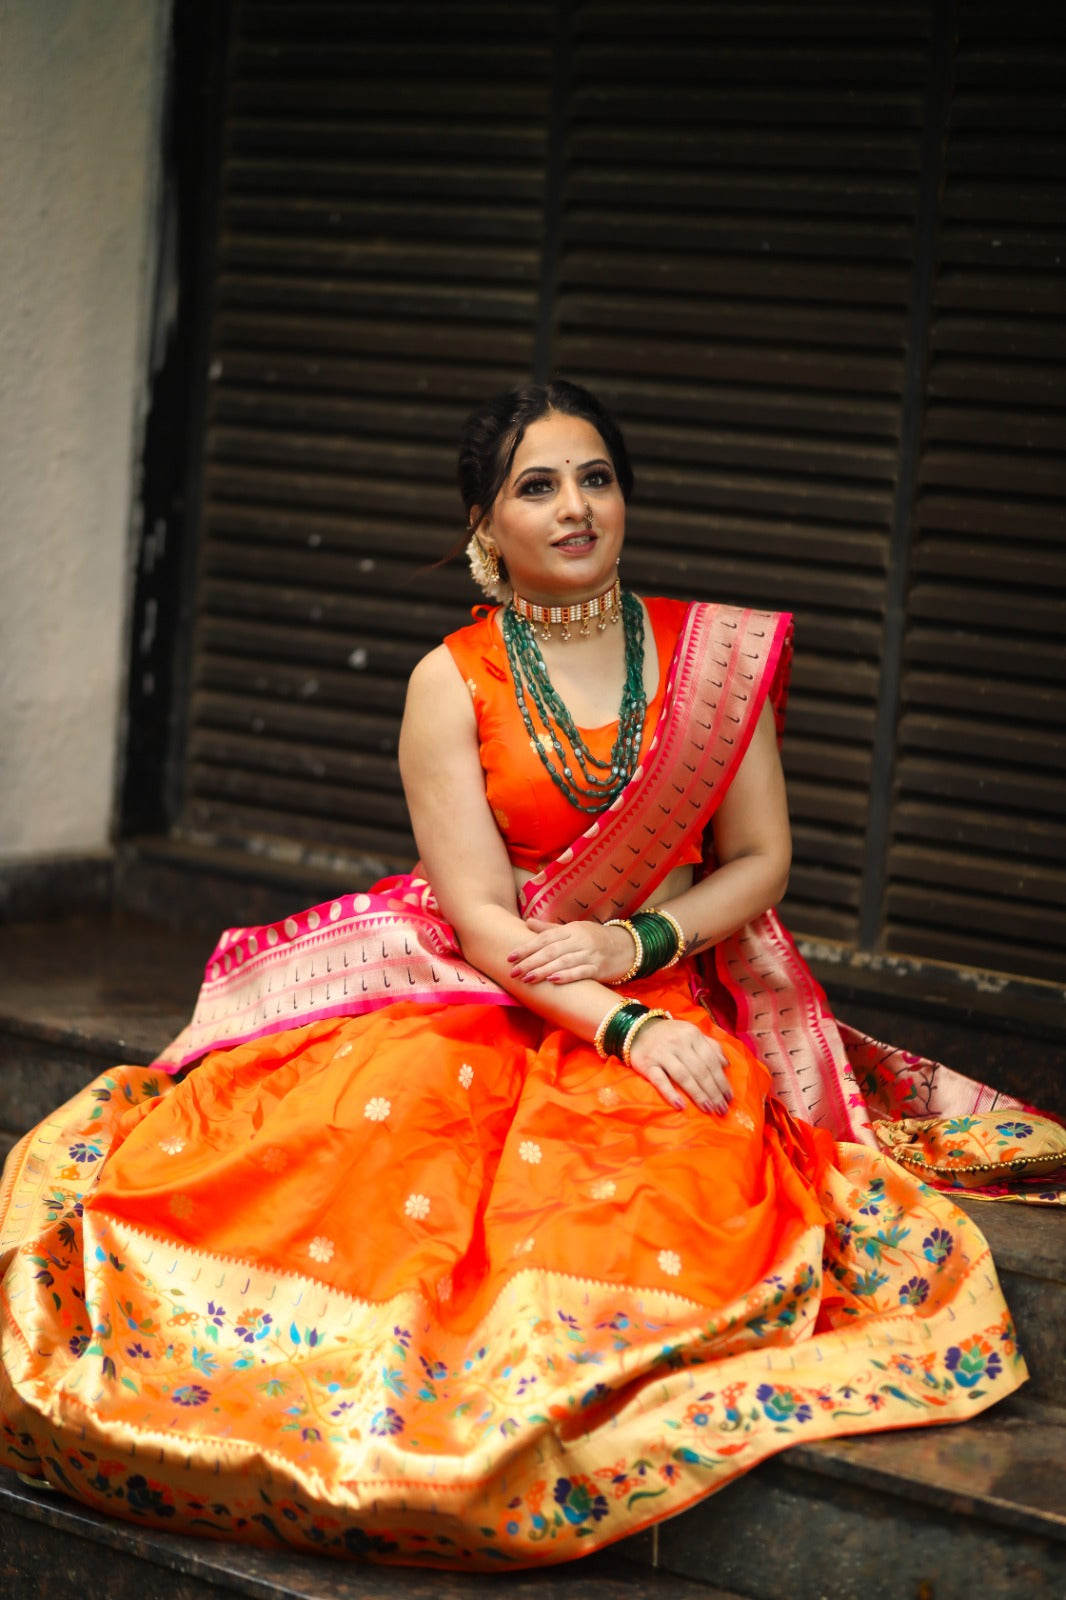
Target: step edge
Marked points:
216	1560
841	1460
117	1050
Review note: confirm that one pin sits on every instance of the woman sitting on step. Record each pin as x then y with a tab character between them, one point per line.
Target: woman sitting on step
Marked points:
490	1216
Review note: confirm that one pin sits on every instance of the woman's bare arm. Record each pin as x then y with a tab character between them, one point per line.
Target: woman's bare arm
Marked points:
467	863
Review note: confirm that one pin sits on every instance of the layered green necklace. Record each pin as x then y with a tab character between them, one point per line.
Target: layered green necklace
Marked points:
587	782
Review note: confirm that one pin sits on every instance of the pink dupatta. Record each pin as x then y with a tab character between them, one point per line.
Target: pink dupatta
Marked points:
360	952
363	951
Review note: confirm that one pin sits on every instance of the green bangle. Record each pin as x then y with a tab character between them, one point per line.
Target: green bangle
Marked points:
620	1022
608	1018
662	941
678	930
649	1016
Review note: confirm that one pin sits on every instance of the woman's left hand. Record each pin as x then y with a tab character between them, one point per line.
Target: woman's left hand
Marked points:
564	952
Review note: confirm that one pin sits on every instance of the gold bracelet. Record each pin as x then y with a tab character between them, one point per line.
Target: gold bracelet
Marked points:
638	946
602	1029
635	1029
657	911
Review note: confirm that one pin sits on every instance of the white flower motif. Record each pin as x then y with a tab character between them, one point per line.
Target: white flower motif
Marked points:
603	1189
670	1262
466	1075
172	1145
530	1151
444	1288
320	1248
417	1206
377	1110
523	1247
342	1050
608	1096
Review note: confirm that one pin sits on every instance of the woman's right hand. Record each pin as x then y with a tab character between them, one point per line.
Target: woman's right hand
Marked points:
675	1055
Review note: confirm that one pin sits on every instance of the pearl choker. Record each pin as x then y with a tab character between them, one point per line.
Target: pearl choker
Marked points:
601	608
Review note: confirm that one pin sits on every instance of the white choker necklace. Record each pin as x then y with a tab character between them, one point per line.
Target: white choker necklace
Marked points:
601	609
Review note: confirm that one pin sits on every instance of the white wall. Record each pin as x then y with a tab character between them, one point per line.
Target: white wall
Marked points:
80	97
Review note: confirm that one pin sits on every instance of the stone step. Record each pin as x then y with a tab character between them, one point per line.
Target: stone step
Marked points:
82	995
943	1513
54	1549
911	1513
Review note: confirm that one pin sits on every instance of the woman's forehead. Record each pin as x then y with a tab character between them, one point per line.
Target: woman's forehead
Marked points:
557	440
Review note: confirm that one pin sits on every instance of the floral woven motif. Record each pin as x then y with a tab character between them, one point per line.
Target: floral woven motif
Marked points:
522	1413
971	1152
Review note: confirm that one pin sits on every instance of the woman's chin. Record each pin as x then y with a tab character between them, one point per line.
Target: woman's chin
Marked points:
573	576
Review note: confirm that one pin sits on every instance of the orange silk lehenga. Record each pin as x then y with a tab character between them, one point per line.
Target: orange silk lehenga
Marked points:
374	1261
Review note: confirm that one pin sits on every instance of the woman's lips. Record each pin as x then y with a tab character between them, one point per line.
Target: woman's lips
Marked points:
577	543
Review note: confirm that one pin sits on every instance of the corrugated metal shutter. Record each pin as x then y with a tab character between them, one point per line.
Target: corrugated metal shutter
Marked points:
736	267
378	274
718	215
977	865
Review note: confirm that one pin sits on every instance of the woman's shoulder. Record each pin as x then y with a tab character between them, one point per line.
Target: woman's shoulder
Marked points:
437	706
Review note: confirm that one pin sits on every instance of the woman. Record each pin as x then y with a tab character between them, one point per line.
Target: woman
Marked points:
477	1234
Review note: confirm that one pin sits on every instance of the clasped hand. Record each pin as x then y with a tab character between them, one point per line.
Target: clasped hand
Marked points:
565	952
672	1054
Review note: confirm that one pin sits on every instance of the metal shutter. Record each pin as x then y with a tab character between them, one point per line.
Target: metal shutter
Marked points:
841	386
735	275
977	866
378	274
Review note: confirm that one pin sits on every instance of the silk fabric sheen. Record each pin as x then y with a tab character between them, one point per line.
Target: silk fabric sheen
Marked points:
434	1284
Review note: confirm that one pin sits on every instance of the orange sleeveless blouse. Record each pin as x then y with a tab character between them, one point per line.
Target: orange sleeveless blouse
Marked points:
535	818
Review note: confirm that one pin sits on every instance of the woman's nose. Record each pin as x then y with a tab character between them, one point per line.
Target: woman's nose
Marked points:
571	499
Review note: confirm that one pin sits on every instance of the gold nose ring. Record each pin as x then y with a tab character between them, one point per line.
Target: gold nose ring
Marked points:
588	515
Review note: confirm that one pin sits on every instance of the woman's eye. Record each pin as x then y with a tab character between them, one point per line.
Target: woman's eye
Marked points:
535	486
598	478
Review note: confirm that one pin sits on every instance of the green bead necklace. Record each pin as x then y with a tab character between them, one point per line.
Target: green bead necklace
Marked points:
587	782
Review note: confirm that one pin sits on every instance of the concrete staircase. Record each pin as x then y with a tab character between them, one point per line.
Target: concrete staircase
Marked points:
931	1514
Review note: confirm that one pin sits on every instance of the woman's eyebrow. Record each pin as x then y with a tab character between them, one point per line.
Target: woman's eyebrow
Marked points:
597	461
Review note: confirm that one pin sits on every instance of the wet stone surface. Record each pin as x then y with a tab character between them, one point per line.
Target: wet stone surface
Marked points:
915	1515
54	1549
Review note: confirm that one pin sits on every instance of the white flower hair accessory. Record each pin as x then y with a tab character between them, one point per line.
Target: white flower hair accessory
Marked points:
485	570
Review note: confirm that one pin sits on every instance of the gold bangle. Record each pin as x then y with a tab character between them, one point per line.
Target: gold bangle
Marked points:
657	911
635	1029
602	1029
638	947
